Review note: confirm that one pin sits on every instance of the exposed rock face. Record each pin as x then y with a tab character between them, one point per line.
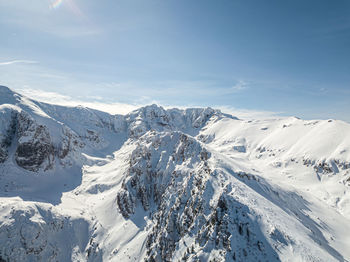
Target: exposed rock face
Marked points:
3	154
69	149
153	177
35	148
228	231
321	167
31	155
158	119
177	201
153	169
7	136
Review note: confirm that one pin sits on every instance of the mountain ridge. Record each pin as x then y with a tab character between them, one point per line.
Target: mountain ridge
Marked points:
168	184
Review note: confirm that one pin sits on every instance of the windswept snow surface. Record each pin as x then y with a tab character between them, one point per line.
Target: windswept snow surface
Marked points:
78	184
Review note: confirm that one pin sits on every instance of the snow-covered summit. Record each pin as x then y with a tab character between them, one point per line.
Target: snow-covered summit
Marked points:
78	184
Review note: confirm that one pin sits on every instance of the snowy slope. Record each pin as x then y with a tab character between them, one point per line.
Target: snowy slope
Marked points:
78	184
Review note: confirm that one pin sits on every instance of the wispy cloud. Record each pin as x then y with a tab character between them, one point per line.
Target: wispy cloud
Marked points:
240	85
250	114
18	62
64	100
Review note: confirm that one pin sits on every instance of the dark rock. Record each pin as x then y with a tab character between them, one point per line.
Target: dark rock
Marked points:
31	156
35	149
7	140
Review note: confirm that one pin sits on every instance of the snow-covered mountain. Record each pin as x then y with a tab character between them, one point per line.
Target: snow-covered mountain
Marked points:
78	184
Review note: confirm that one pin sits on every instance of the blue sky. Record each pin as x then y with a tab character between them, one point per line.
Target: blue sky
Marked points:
287	57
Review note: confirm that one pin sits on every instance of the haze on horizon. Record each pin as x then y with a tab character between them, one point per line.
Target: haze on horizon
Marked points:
278	57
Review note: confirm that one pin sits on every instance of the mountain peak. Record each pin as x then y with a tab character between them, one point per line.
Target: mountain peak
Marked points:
5	90
149	108
7	96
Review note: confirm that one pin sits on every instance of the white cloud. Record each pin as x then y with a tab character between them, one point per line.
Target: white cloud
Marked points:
18	62
240	85
250	114
64	100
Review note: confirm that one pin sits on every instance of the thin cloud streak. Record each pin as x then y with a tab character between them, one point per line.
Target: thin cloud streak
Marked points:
248	114
18	62
64	100
124	108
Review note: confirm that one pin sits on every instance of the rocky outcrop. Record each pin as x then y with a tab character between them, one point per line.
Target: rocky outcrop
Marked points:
69	149
158	119
3	154
35	149
7	136
226	234
170	177
326	167
153	168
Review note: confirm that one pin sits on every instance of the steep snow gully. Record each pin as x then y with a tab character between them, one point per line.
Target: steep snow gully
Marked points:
77	184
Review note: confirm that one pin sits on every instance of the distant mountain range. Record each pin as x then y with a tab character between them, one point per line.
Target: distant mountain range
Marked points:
77	184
